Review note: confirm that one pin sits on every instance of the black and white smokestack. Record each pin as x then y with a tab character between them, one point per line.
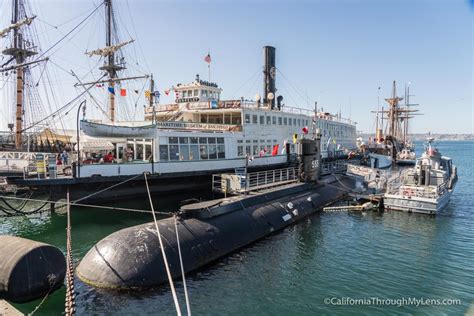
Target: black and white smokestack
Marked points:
269	74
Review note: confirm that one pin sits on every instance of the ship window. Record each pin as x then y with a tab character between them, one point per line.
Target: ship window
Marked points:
203	152
202	140
289	122
193	152
220	151
195	93
247	150
240	141
262	120
212	152
274	120
255	150
173	140
193	140
211	140
240	151
254	119
279	121
247	118
190	93
285	121
220	140
269	141
183	140
139	151
275	141
269	120
255	141
184	152
236	120
247	140
163	152
174	152
184	94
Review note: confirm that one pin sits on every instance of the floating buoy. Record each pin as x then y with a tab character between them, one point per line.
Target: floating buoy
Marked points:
29	269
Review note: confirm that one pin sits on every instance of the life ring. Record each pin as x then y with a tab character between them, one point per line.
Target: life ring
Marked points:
407	192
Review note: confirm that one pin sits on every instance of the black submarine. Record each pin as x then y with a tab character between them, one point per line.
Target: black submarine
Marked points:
132	258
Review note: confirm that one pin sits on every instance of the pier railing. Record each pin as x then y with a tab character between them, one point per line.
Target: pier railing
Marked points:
242	182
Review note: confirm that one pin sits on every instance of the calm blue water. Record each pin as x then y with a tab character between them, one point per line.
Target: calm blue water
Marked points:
330	255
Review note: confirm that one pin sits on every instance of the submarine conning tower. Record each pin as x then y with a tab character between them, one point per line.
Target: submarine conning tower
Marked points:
309	159
269	74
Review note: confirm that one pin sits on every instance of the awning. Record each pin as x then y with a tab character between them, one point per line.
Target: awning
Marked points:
95	145
51	136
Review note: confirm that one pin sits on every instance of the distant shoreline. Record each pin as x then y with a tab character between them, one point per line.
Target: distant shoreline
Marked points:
423	137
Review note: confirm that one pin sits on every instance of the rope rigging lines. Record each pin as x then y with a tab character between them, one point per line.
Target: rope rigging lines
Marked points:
165	260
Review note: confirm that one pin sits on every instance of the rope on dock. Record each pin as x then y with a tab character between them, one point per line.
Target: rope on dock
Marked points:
165	260
70	306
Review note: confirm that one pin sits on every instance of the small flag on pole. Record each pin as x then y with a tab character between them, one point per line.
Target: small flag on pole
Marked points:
207	59
275	150
167	91
123	92
136	91
305	130
295	138
111	90
147	94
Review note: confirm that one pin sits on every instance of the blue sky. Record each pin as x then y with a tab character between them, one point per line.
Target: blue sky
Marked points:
335	52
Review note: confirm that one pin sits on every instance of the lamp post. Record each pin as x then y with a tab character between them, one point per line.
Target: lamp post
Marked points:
78	150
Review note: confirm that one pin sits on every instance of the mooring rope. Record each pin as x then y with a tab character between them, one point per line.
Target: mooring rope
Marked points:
89	205
165	260
69	305
188	306
108	188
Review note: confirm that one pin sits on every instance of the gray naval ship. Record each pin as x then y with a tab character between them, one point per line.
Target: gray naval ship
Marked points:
427	187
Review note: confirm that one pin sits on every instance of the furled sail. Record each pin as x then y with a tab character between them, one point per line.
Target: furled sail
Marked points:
108	50
26	21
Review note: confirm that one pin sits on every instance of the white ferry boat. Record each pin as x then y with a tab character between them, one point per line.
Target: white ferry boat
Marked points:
201	134
427	187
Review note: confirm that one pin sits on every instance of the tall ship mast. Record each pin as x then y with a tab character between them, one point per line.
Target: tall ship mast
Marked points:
114	62
19	54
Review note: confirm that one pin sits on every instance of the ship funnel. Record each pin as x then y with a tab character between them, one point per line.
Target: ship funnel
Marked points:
269	74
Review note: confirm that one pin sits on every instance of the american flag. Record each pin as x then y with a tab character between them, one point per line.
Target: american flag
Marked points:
207	59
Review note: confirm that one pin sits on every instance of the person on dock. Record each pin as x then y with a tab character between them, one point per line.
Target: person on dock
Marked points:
64	157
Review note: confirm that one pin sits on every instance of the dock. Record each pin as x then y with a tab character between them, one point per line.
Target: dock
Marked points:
6	309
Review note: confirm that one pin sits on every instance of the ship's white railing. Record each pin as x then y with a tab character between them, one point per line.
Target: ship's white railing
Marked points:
242	182
245	104
16	161
337	166
395	181
430	192
44	171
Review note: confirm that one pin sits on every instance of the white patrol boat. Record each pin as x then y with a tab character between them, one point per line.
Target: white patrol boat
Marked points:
427	187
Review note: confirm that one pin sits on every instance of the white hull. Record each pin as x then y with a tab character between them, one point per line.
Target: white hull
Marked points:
170	167
380	161
416	204
109	130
